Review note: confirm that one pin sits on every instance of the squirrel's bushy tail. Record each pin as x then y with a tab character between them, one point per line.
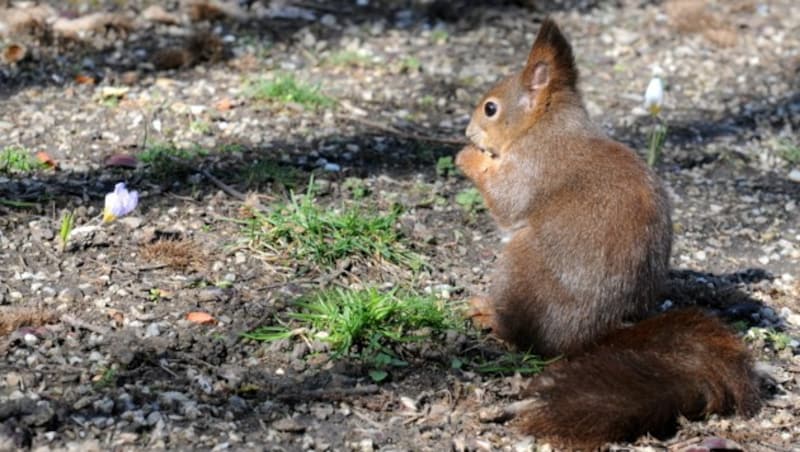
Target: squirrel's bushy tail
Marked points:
640	379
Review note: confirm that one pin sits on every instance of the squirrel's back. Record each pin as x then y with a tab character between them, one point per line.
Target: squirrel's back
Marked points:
592	250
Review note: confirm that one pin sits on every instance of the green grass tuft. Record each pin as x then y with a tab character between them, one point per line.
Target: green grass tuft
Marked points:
305	230
790	152
285	88
348	58
365	324
18	160
445	166
17	204
439	35
356	187
778	339
470	200
67	224
410	64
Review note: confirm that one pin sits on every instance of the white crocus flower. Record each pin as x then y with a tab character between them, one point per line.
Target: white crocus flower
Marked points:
654	96
119	203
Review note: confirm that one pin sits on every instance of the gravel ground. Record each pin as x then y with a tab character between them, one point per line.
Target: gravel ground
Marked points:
96	352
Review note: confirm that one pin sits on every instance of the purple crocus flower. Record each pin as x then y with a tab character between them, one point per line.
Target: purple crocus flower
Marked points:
119	203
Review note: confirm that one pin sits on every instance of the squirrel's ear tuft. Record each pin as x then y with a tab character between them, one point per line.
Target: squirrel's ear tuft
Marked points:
550	62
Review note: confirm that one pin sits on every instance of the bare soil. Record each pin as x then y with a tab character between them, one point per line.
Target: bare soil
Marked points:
96	352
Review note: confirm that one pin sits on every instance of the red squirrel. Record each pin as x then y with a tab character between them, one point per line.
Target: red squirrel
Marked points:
588	245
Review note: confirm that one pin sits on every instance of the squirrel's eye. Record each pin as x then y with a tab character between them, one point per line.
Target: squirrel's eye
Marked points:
490	108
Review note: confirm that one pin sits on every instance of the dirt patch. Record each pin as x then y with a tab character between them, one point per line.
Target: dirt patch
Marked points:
97	350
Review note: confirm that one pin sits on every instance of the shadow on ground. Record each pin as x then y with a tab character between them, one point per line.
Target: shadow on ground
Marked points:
111	55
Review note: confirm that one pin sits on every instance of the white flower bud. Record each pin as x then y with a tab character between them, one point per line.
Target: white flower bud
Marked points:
654	96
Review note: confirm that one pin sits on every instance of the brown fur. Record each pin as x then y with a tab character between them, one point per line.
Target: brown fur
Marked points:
640	379
589	243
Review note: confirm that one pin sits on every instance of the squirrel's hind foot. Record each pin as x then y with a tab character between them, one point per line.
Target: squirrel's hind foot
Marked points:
482	313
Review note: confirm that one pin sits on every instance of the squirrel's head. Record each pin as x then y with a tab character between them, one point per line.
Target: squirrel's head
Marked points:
516	103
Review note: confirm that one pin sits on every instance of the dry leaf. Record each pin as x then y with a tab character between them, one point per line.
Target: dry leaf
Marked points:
45	159
224	104
14	53
118	317
84	79
201	318
121	161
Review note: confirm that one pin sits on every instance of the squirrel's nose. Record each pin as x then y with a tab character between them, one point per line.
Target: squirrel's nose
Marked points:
471	130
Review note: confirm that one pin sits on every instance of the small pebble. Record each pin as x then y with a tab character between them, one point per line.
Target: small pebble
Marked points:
30	339
152	330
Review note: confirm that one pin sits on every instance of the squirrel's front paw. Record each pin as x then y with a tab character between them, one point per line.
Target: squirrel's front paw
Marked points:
468	157
481	312
474	162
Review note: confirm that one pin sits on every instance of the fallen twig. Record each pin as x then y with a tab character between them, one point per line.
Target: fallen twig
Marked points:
233	192
366	419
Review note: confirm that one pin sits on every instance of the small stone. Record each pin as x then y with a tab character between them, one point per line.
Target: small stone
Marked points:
322	411
794	175
131	222
152	330
526	445
211	294
82	403
329	20
491	414
289	424
769	314
299	350
238	405
366	445
13	379
104	406
69	295
332	167
153	418
30	339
